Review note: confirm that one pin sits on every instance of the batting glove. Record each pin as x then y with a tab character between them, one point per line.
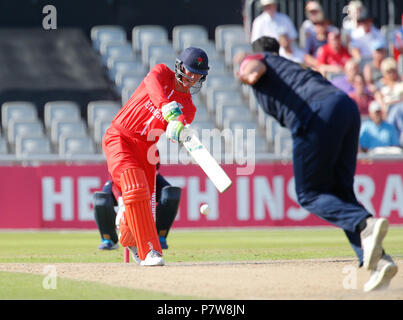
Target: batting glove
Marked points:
171	111
174	130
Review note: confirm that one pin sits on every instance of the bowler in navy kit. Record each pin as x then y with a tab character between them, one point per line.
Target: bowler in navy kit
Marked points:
325	125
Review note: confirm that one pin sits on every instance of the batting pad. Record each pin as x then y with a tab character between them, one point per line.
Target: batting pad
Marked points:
138	213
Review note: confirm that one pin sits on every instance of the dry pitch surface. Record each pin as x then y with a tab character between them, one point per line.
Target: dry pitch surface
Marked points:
291	279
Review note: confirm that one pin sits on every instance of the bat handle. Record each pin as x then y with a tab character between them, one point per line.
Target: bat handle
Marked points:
126	257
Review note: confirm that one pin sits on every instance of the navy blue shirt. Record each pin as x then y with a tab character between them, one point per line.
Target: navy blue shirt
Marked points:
289	92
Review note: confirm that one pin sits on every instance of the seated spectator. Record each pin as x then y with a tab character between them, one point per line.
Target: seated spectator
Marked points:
375	132
372	70
350	22
313	12
398	42
332	56
345	82
314	43
363	37
391	87
360	95
269	22
290	50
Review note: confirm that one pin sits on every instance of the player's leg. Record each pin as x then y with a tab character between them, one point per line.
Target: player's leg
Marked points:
138	215
168	198
105	217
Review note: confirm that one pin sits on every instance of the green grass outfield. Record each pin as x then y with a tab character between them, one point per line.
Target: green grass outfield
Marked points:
184	246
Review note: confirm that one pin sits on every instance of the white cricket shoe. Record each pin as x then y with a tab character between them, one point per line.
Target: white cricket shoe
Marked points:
371	240
380	278
153	258
135	254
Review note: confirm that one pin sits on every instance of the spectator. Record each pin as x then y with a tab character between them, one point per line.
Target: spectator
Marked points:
398	42
290	50
313	12
375	132
332	56
363	37
345	81
360	95
314	43
350	22
372	70
392	88
269	22
395	118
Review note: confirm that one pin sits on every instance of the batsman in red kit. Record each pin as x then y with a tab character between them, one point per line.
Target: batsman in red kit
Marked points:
161	103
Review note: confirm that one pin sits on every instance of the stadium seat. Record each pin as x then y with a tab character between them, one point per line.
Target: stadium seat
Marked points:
180	33
105	110
76	145
217	81
22	110
20	128
230	109
32	146
124	66
63	128
106	44
217	66
127	79
127	93
216	94
205	44
106	34
147	33
61	110
201	113
3	145
159	50
244	124
118	51
168	60
224	33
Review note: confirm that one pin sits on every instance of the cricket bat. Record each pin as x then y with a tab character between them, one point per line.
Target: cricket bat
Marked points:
205	160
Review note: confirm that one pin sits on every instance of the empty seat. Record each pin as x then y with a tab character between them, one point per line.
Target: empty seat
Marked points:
32	146
118	51
106	44
3	145
244	124
124	66
147	33
61	110
126	80
105	110
229	109
168	60
67	128
159	50
182	32
221	94
205	44
20	128
101	34
201	113
76	146
219	81
18	110
217	66
225	33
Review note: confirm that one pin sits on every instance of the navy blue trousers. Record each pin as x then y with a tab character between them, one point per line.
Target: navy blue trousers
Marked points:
324	160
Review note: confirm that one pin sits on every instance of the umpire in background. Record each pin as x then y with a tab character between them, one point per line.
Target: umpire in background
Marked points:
325	125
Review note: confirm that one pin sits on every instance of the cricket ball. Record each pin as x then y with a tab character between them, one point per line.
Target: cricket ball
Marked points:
204	209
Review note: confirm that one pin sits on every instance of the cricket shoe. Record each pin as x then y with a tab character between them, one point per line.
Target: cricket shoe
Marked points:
135	254
108	245
380	278
371	239
153	258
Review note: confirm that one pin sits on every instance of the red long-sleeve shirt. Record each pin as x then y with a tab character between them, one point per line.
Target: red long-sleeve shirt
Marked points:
141	116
